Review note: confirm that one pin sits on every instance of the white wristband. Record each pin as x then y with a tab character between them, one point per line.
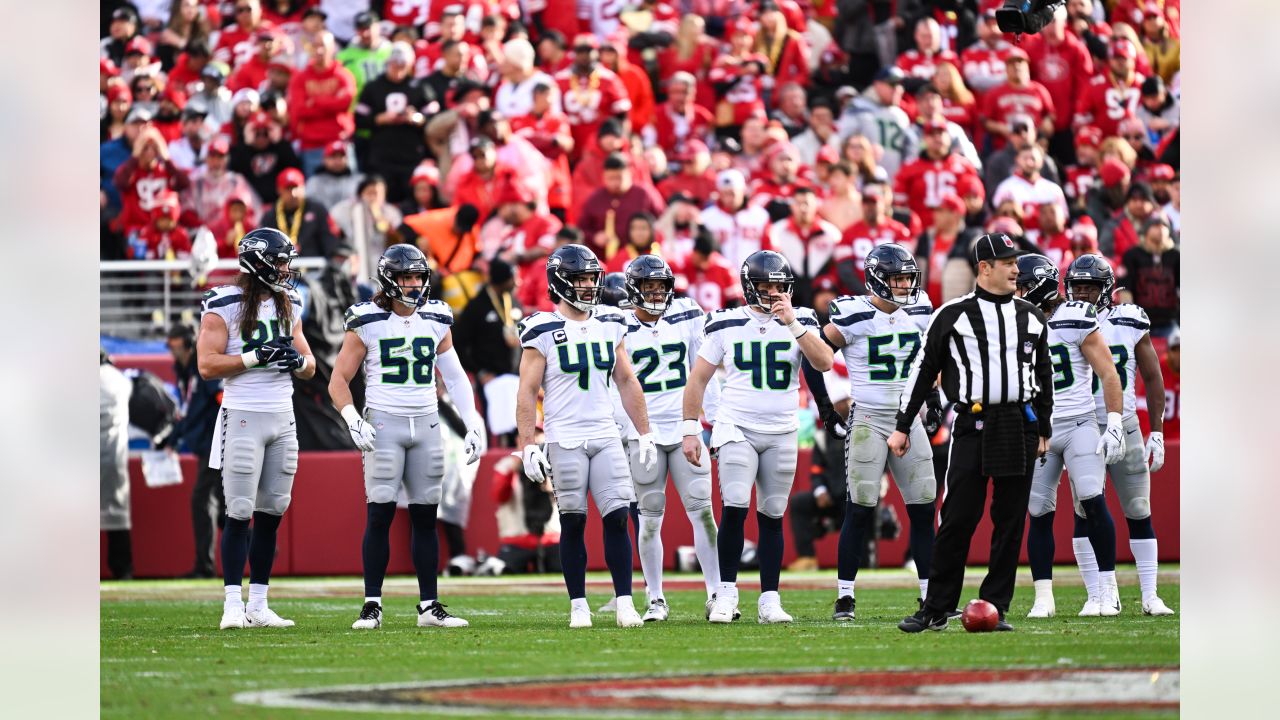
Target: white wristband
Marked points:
250	359
304	366
797	329
690	427
1113	418
351	416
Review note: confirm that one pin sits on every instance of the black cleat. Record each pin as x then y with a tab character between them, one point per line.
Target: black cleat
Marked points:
844	609
922	621
1002	625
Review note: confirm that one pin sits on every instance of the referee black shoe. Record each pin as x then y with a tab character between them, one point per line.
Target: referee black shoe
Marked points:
1003	626
922	621
844	609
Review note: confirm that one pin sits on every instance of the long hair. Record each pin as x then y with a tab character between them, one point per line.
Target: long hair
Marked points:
382	301
956	92
254	290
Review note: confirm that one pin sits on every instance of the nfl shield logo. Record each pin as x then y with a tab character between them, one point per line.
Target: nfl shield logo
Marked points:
244	423
1026	347
763	329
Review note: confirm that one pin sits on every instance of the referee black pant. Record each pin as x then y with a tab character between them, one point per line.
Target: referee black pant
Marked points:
966	495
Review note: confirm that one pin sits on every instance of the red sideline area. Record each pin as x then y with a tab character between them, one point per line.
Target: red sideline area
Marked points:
322	531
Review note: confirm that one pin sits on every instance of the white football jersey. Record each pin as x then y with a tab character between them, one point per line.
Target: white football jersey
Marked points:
762	367
1123	327
1073	382
662	357
879	347
259	389
577	402
400	355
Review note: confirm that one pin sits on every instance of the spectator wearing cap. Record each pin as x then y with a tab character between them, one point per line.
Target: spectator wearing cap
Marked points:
188	66
1083	175
320	99
553	53
1172	208
738	226
1164	51
974	194
366	57
1029	189
877	227
162	238
529	234
229	228
876	114
424	187
920	184
368	223
691	52
252	73
807	242
1158	109
820	133
920	63
1150	275
786	52
613	56
237	42
1106	199
679	119
1002	163
393	109
607	211
1113	95
1060	62
696	181
138	60
187	26
477	185
1122	232
488	342
773	191
112	154
245	107
450	237
214	96
188	151
305	221
936	244
443	75
119	101
707	276
588	172
145	176
123	27
514	96
1018	96
335	180
983	63
547	129
168	118
931	105
590	93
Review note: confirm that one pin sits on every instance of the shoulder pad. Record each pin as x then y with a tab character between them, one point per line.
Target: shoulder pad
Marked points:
849	310
610	315
1129	315
438	311
724	318
362	314
1074	315
538	324
807	316
683	310
220	296
921	307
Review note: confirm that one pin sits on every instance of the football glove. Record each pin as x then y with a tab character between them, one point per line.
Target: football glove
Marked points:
1155	451
932	413
833	422
648	451
536	466
362	433
289	361
1111	444
475	443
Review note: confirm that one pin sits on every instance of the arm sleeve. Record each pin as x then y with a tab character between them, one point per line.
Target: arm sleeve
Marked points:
459	387
1043	400
925	369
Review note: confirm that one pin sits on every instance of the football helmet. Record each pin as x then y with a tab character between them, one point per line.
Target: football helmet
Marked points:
1092	270
261	253
567	263
887	261
765	266
614	291
650	267
1038	279
398	260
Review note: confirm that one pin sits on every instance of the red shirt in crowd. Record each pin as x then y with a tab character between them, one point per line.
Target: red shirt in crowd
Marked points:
697	64
965	116
1064	69
983	67
1107	101
860	239
712	286
699	187
541	132
143	189
237	45
791	63
320	105
920	65
1032	100
413	13
251	74
741	89
673	128
589	101
161	242
939	250
1172	401
921	184
1080	179
1058	248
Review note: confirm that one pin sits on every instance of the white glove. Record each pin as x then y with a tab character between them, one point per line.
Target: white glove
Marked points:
1155	451
476	444
536	466
1111	444
362	433
648	451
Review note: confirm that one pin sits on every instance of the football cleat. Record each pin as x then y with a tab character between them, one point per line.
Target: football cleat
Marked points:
1042	608
1155	606
266	617
1003	626
1092	608
232	617
627	615
723	610
579	618
922	621
772	613
844	609
370	617
658	611
1110	602
435	615
611	606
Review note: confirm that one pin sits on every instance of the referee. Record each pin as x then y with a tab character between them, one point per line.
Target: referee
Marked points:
992	351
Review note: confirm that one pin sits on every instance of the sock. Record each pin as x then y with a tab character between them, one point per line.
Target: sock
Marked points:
1106	578
257	597
704	545
1044	589
1145	553
857	519
651	554
233	594
729	542
617	551
921	517
1041	546
262	547
573	554
579	604
425	548
924	588
424	604
235	550
374	599
770	597
844	588
769	549
1102	532
727	590
1088	565
375	551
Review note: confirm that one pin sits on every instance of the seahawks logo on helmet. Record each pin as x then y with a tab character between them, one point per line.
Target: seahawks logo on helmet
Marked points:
568	263
1038	278
886	262
267	254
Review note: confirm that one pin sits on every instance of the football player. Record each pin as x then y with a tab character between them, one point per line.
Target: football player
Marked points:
574	354
1079	355
400	340
760	346
251	336
880	335
1126	331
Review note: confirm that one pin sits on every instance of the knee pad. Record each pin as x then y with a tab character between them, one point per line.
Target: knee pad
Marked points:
652	501
289	464
699	494
774	506
433	495
382	493
240	508
242	457
274	504
736	493
383	464
1138	508
1043	501
864	491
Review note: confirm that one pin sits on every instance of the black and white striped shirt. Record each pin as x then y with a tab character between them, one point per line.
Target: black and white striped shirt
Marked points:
991	349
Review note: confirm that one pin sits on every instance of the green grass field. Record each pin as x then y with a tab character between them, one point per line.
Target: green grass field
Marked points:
162	655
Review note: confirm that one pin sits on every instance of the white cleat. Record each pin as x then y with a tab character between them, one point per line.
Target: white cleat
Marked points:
611	606
772	613
1042	608
232	617
435	615
723	610
1155	606
1110	602
580	618
266	617
627	616
1092	608
370	617
658	610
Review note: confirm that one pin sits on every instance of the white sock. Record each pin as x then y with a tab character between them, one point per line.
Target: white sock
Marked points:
374	599
770	598
1107	578
1145	554
704	545
727	590
257	597
424	604
844	588
1044	589
651	554
579	604
924	588
625	601
233	594
1088	563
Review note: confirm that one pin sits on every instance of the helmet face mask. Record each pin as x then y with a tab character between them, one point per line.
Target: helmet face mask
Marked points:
1038	279
1092	272
886	263
395	263
566	267
267	254
765	266
644	270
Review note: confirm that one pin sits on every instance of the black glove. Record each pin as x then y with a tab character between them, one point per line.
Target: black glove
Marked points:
272	352
832	420
932	413
289	360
